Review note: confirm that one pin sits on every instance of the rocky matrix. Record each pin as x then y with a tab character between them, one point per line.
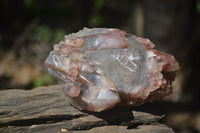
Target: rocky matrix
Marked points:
100	68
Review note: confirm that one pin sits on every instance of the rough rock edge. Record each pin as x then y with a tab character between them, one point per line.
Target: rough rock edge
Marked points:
44	109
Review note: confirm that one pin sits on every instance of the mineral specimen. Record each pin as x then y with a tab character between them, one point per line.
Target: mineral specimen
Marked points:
100	68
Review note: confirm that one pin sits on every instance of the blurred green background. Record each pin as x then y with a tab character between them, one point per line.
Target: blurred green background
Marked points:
30	28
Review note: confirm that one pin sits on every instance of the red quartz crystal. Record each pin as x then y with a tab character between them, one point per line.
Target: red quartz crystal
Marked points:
100	68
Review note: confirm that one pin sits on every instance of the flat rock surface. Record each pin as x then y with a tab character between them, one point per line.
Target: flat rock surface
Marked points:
44	109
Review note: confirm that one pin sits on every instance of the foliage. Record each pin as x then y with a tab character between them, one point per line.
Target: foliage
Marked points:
28	3
198	6
59	35
42	80
96	20
43	34
99	3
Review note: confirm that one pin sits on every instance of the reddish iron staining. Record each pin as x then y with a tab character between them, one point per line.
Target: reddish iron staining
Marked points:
72	90
100	68
170	63
147	43
74	42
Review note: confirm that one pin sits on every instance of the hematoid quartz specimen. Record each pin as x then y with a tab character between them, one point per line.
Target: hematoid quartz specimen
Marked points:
100	68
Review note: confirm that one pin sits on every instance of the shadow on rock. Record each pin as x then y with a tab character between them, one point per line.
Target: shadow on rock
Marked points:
117	115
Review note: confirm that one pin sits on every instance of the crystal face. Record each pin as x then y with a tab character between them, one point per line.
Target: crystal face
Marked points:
100	68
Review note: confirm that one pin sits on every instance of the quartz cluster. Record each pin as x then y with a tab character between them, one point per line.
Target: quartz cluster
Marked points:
100	68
